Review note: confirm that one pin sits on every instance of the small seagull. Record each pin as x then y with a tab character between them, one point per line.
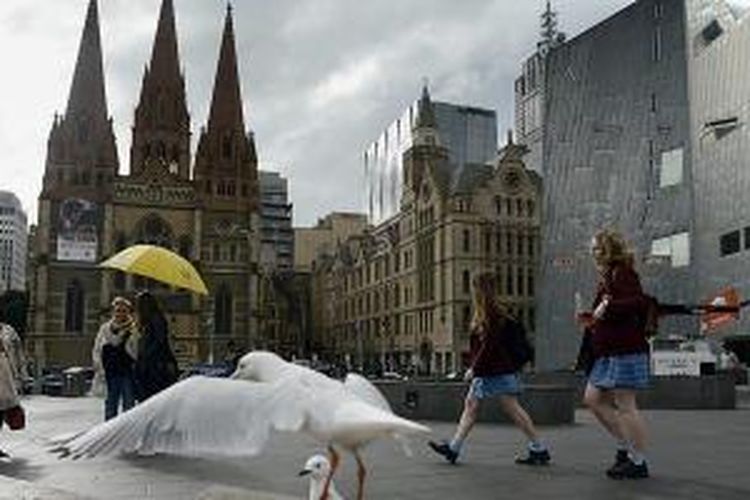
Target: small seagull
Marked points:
236	416
319	468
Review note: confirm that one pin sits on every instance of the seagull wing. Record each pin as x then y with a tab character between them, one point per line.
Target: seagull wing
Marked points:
200	415
366	391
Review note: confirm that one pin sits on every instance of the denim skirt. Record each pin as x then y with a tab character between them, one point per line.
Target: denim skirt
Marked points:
495	385
628	371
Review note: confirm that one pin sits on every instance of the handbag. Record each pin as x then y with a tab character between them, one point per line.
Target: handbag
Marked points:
15	418
585	360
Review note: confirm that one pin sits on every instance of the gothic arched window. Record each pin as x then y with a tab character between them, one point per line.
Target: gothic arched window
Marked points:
74	307
185	246
226	147
223	311
155	231
119	277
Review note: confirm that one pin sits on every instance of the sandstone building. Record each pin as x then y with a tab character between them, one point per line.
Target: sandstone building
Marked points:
398	296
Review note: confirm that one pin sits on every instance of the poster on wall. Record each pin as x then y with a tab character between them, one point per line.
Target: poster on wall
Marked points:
77	230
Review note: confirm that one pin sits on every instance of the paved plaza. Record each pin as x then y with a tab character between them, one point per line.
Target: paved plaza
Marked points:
695	455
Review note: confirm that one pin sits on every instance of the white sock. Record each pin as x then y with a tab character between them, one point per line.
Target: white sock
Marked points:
637	457
456	444
536	445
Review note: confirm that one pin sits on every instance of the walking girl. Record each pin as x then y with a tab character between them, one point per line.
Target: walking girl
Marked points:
620	354
498	356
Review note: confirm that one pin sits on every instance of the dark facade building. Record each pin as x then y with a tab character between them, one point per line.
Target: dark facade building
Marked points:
642	134
88	210
277	234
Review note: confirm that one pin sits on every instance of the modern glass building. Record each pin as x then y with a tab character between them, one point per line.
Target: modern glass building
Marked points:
645	132
469	133
13	243
277	235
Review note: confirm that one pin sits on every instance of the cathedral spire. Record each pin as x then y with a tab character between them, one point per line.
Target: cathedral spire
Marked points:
87	95
165	60
81	150
226	163
226	104
161	131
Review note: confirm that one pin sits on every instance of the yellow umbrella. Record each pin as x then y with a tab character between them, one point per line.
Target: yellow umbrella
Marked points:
159	264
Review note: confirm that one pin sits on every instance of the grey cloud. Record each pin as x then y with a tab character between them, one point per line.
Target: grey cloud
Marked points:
320	78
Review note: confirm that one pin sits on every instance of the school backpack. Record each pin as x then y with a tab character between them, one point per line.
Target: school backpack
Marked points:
519	347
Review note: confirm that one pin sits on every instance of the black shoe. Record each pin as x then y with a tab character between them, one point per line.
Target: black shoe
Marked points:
621	458
3	454
535	458
445	450
629	470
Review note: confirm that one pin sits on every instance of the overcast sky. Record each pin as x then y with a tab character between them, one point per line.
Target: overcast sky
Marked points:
320	78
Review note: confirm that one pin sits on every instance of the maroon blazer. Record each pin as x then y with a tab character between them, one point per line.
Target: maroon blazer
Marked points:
489	352
619	331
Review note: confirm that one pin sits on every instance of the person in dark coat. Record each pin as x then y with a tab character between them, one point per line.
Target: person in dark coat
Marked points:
499	351
619	350
155	366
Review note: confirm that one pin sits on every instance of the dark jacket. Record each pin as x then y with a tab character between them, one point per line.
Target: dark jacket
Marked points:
620	330
116	361
500	348
156	366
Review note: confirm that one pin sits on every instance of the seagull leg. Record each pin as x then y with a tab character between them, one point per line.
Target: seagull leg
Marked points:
334	458
361	473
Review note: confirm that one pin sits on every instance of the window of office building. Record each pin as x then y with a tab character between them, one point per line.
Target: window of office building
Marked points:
729	243
711	32
657	44
675	247
671	168
722	127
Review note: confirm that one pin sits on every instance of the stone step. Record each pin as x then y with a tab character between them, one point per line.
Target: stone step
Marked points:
743	396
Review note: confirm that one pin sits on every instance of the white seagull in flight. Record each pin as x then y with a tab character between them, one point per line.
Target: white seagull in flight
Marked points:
235	417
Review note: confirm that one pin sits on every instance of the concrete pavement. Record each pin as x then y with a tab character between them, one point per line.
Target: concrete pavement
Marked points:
695	455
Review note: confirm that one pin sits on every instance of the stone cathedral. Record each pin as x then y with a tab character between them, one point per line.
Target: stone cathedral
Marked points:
204	207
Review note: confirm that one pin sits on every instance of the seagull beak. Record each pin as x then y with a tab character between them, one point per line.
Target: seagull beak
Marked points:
235	374
304	472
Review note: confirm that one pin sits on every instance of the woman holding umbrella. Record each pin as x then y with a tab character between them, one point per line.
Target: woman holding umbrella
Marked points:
156	366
